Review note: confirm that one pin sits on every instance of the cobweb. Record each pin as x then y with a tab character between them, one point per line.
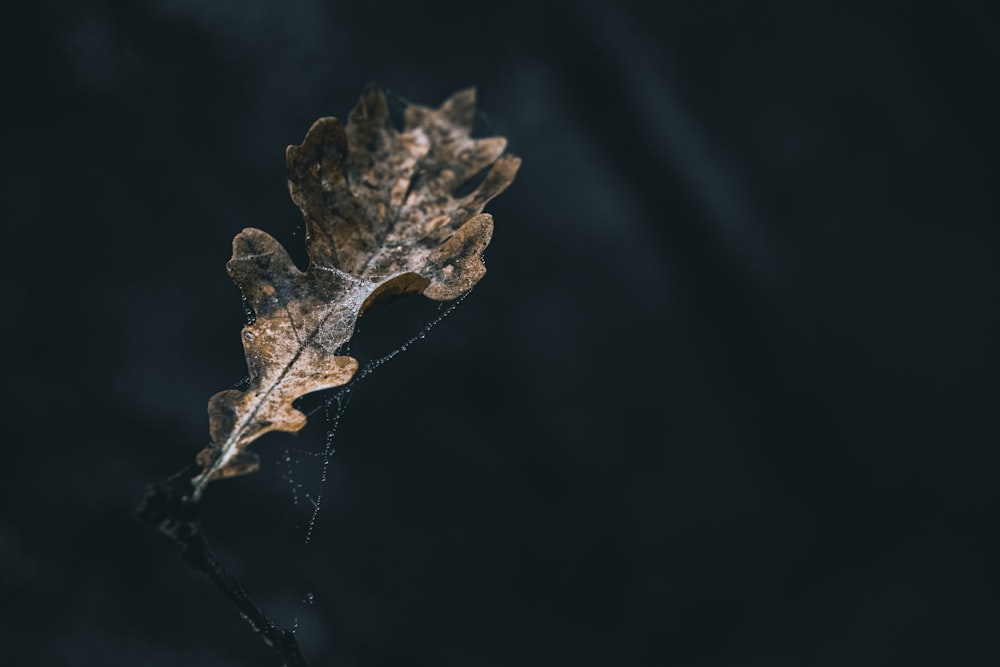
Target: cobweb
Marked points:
305	472
333	406
296	463
335	401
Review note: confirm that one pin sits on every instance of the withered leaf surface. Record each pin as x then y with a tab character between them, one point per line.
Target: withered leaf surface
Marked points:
386	213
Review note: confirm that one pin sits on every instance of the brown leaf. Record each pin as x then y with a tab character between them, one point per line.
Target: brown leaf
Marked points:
387	213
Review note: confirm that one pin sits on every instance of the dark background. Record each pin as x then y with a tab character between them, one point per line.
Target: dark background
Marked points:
726	396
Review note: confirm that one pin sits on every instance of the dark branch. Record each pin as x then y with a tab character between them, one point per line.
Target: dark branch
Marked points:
170	509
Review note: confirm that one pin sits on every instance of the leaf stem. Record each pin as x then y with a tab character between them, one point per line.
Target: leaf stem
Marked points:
167	507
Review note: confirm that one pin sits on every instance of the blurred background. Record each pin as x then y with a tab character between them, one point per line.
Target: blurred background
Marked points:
725	397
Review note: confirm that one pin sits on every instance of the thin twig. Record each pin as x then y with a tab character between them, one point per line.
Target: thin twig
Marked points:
167	507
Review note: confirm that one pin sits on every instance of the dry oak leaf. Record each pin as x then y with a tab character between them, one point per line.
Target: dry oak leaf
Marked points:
386	214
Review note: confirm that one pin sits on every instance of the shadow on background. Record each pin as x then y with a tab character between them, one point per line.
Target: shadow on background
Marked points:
722	399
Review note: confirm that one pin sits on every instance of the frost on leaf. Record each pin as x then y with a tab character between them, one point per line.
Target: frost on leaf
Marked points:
387	213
